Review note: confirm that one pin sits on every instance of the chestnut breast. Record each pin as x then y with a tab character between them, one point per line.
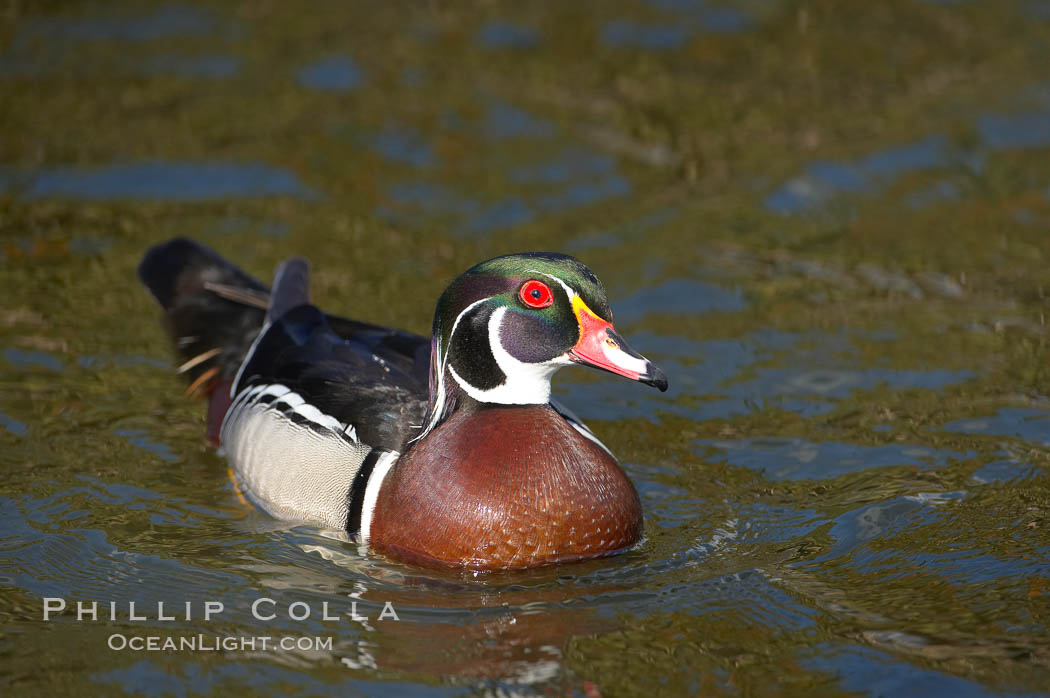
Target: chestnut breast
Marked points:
505	488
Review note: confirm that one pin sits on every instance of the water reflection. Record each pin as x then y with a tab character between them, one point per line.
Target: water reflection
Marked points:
177	181
845	486
503	34
13	425
873	673
1020	423
195	66
334	74
995	132
799	459
726	378
162	23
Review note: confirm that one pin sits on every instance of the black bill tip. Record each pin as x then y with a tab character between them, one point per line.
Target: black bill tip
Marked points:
655	377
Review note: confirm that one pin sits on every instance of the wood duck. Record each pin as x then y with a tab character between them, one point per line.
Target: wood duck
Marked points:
446	452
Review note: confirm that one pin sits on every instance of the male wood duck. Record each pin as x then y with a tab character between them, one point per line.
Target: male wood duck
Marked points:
445	452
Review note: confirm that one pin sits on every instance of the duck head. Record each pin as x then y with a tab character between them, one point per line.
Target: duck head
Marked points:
505	326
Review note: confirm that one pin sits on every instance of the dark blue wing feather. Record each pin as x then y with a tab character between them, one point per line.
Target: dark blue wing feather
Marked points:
371	377
356	379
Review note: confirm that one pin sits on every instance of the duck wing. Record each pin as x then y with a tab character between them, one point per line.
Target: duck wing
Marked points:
310	409
369	379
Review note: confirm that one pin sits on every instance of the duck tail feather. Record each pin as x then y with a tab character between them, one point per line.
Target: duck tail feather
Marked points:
291	288
213	310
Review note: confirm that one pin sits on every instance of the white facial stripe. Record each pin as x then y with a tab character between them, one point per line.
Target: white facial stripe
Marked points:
526	384
568	289
439	405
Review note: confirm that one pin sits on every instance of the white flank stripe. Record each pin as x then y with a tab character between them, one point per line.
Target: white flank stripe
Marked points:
234	410
375	481
291	400
318	417
277	390
285	398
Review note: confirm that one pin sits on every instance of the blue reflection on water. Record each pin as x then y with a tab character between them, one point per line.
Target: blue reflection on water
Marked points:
164	22
678	296
210	66
702	14
1010	131
504	121
1040	9
96	361
25	359
768	523
628	231
748	593
852	529
972	567
571	164
333	74
47	45
430	198
822	180
1026	424
413	77
1007	470
38	560
688	18
935	193
666	506
840	383
800	459
723	20
402	145
499	214
503	34
192	66
624	33
175	181
723	378
13	425
873	673
586	193
136	437
577	176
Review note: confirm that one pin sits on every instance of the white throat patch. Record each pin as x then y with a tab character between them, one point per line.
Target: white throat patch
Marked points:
526	384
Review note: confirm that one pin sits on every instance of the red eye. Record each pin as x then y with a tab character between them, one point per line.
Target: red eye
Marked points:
536	294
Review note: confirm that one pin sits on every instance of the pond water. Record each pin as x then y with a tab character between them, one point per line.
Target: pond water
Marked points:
829	223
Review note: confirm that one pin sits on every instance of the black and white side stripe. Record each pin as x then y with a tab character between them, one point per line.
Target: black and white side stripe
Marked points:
296	462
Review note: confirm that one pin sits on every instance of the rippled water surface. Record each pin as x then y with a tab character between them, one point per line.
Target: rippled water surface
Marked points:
828	222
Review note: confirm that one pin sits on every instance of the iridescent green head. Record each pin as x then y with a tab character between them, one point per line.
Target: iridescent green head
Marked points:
503	327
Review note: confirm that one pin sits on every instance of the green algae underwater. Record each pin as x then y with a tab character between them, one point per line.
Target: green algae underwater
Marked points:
828	222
